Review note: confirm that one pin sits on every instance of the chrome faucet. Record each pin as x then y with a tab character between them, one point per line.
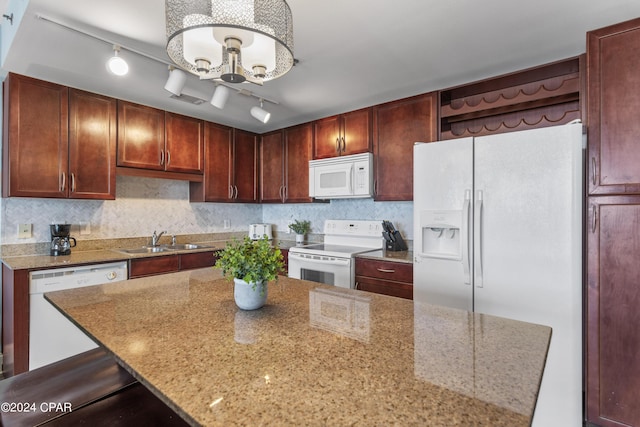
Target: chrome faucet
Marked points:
156	237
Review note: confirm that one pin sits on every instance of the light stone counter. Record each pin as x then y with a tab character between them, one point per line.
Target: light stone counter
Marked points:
314	355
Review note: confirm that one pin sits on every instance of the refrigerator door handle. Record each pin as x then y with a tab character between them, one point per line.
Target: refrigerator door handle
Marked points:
477	239
464	237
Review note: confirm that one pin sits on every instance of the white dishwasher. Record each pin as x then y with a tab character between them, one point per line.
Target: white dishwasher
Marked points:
52	336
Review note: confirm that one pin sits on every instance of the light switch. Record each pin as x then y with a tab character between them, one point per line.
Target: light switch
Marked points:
25	231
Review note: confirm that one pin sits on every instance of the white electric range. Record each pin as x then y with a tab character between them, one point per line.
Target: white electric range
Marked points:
332	262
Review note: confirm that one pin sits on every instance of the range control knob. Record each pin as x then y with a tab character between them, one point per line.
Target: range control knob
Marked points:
112	275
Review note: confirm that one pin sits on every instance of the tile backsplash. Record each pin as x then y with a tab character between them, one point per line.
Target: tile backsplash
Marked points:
143	205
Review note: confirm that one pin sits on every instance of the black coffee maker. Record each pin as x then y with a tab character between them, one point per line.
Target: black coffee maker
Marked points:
60	239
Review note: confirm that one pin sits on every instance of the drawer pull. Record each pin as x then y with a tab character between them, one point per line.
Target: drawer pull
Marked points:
385	270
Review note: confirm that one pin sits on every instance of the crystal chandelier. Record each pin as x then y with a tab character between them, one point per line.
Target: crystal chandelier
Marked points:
231	40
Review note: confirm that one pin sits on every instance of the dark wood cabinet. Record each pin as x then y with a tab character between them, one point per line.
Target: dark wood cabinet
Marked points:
184	149
612	371
385	277
140	136
92	146
284	165
285	256
141	267
613	297
272	164
36	138
197	260
58	142
613	105
156	140
344	134
230	166
397	126
245	167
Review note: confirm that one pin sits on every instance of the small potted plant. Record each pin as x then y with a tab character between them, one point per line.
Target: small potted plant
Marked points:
301	228
251	264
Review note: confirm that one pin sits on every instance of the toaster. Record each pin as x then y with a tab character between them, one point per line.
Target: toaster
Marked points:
257	231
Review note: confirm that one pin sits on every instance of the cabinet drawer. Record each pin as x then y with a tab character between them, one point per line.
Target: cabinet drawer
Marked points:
385	287
387	270
197	260
156	265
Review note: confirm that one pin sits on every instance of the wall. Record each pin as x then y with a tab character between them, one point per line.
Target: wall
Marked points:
400	213
142	205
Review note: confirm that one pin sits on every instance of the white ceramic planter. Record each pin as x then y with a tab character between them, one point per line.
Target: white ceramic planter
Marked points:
299	239
246	298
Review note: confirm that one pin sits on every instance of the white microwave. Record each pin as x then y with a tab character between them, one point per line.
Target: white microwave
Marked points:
341	177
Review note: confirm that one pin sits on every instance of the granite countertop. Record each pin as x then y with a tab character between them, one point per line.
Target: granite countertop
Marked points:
78	257
314	355
384	255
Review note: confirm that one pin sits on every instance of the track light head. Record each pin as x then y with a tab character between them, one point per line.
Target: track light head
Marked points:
220	96
260	114
116	64
176	81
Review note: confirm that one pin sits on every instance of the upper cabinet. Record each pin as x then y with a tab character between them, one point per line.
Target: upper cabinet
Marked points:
396	127
58	142
184	144
614	102
345	134
151	139
230	166
284	165
140	136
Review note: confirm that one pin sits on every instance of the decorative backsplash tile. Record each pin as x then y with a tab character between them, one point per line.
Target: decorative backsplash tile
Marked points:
143	205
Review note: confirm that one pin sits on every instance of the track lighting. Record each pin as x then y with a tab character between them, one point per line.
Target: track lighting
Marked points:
176	81
220	96
116	64
260	114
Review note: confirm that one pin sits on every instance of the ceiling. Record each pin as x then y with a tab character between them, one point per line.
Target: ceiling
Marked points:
351	54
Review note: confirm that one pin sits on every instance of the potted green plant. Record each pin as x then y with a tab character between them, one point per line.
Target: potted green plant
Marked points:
301	228
251	264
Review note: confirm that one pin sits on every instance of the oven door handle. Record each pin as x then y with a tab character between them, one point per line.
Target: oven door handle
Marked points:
321	261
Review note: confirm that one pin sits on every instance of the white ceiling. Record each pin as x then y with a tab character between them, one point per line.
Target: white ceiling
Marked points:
352	53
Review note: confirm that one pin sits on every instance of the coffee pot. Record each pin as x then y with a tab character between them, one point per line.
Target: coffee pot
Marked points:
61	242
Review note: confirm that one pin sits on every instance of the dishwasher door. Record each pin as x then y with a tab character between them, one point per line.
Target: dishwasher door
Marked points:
52	336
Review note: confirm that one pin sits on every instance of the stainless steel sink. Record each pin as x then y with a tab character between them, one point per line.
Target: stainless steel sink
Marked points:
162	248
180	247
144	250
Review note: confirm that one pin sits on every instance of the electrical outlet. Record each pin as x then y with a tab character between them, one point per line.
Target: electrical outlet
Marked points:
227	224
25	231
85	228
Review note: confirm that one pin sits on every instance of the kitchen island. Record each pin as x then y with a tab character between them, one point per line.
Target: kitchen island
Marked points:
314	355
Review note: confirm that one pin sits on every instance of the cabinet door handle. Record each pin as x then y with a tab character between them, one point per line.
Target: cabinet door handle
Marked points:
594	213
63	181
285	193
593	170
337	145
357	285
162	157
73	182
344	145
385	270
235	191
168	157
231	192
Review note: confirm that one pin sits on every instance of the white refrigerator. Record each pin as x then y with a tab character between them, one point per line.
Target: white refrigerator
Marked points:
498	230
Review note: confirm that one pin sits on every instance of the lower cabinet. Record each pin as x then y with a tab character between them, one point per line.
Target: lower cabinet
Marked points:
612	298
150	266
285	255
385	277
